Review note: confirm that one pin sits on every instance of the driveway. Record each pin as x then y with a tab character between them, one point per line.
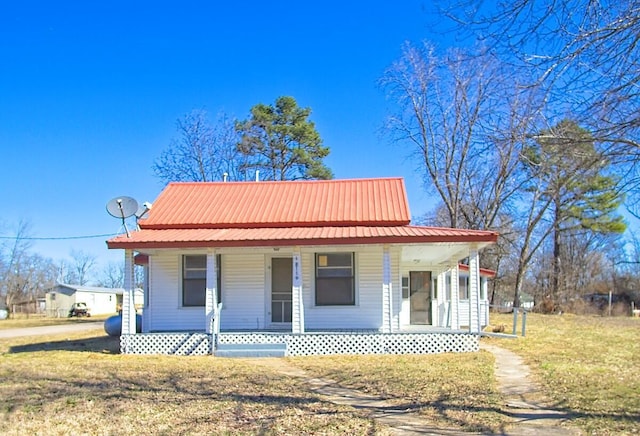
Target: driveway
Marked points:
51	329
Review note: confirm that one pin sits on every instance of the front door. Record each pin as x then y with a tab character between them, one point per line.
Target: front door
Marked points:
420	297
281	284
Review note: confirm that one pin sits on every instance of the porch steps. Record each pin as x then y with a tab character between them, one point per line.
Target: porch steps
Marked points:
250	350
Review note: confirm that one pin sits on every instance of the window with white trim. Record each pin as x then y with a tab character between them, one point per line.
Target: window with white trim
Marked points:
405	287
463	287
335	279
483	288
194	279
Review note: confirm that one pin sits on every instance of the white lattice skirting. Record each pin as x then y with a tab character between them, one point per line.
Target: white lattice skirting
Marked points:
184	344
305	344
360	343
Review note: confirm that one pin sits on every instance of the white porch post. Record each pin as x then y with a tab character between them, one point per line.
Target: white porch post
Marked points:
211	297
146	318
455	297
484	300
128	306
441	301
297	312
387	292
474	291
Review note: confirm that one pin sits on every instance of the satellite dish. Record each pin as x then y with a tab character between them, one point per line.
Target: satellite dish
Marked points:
143	209
140	211
122	207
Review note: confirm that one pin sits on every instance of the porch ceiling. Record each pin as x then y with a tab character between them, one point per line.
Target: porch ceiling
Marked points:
435	254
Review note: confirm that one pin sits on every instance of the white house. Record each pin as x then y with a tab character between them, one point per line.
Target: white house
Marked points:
100	300
319	266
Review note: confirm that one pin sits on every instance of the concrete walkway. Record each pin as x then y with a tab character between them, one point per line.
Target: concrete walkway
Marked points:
401	420
524	402
51	329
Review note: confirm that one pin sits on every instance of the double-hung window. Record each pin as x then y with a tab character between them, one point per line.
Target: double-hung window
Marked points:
335	279
194	279
463	287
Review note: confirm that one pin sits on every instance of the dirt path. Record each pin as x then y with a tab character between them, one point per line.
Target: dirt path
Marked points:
523	401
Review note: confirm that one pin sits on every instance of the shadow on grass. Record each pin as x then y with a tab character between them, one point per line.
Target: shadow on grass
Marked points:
101	344
445	409
452	416
247	402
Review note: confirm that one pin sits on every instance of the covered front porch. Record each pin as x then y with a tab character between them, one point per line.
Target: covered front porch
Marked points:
402	326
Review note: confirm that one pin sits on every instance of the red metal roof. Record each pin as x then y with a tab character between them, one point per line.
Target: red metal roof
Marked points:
261	237
351	202
259	214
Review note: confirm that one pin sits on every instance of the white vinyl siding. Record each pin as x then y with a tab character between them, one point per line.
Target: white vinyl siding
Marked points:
243	299
165	299
463	307
98	303
396	253
245	291
463	304
367	312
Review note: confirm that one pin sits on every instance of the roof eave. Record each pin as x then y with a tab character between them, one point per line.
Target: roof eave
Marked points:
483	240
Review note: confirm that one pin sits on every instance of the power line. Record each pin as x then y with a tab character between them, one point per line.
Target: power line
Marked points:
58	238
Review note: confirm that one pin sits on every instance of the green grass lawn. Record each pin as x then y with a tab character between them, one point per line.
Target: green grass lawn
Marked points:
589	365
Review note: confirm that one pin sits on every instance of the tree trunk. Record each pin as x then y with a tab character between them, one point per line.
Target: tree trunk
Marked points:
555	287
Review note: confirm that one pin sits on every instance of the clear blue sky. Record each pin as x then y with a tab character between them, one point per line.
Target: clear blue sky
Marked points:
90	92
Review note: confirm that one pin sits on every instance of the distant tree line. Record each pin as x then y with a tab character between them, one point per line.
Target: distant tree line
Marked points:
26	275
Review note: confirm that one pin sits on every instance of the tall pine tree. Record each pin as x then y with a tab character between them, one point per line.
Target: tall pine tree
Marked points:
574	177
281	142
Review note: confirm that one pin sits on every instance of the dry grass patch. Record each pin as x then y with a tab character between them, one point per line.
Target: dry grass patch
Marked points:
451	390
588	365
77	384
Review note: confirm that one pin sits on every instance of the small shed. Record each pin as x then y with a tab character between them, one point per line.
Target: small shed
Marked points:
100	300
4	312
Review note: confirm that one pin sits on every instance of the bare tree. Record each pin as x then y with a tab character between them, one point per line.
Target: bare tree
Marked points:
585	268
112	275
12	255
23	275
81	268
584	53
464	119
202	152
